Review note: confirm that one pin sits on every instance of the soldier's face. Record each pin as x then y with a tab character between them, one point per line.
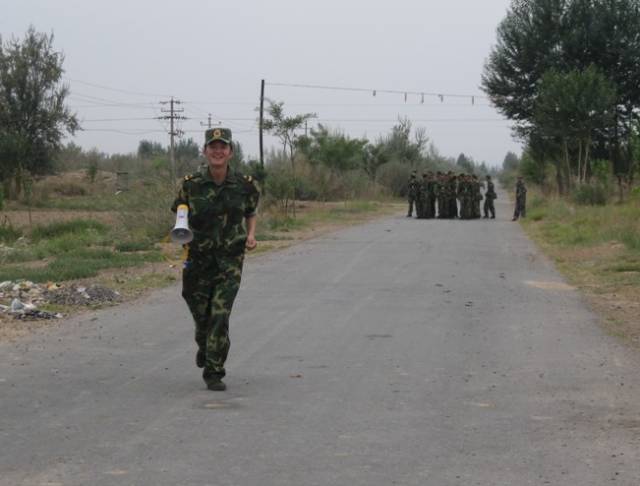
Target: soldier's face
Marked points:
218	153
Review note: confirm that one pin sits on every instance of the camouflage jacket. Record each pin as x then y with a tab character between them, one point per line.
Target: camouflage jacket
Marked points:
217	212
490	193
413	186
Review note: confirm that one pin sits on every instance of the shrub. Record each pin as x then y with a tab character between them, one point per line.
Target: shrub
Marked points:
9	234
590	195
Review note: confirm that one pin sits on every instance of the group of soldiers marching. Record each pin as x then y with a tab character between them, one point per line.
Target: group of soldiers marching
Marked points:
437	196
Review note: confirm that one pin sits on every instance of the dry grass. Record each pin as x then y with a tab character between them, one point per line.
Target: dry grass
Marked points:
596	249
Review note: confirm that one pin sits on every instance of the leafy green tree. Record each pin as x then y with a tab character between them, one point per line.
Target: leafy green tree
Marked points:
538	36
148	149
284	128
187	150
374	157
574	106
466	164
400	147
332	149
511	162
33	115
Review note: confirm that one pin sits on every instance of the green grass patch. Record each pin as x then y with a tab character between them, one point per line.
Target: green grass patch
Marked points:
625	267
73	227
133	246
9	234
285	223
82	264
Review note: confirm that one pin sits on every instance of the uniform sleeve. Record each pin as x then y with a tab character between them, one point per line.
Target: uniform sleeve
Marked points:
253	196
181	198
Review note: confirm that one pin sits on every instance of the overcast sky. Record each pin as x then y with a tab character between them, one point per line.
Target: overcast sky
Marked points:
124	57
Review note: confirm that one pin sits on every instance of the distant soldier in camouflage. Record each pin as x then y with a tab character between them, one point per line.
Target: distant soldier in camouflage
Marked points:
521	200
464	196
219	201
421	198
489	196
431	196
412	192
441	195
452	189
477	196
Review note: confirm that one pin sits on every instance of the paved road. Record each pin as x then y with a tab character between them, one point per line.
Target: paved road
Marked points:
400	352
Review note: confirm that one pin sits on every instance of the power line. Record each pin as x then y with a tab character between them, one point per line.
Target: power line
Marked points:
117	119
375	91
118	89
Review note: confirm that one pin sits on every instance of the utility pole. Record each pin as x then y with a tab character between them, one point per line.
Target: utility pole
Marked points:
261	120
172	117
208	124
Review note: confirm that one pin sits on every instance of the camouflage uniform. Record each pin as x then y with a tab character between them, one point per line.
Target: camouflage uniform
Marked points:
489	196
521	200
463	196
477	196
452	189
421	199
431	196
213	268
412	194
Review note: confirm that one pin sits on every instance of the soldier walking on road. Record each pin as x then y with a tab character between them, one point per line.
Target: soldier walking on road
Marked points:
489	196
219	200
521	200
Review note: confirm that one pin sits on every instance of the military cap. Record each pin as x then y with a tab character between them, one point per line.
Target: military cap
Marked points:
213	134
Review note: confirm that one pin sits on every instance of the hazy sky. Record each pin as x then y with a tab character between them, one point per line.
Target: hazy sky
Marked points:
124	57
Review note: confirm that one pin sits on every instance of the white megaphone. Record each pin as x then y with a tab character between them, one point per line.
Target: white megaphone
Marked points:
181	232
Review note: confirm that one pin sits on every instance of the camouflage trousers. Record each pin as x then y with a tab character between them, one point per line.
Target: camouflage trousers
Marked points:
521	208
489	208
209	286
412	200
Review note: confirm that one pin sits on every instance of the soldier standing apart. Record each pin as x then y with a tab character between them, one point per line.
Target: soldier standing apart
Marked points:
219	200
412	192
521	200
489	196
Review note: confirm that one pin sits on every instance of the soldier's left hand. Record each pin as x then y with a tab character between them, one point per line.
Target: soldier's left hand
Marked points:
251	243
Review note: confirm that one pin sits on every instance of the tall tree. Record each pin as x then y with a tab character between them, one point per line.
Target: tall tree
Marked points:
284	128
33	115
573	106
537	36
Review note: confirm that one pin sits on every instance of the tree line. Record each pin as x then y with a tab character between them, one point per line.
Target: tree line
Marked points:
320	163
566	73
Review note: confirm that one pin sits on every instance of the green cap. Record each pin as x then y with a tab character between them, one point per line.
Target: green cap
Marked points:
213	134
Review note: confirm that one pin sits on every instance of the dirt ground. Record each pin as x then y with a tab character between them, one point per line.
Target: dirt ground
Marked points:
135	282
616	302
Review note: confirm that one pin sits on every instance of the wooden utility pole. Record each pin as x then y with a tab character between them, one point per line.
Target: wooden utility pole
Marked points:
261	120
172	116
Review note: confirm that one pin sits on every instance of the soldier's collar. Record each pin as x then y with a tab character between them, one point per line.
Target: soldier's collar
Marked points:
206	174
